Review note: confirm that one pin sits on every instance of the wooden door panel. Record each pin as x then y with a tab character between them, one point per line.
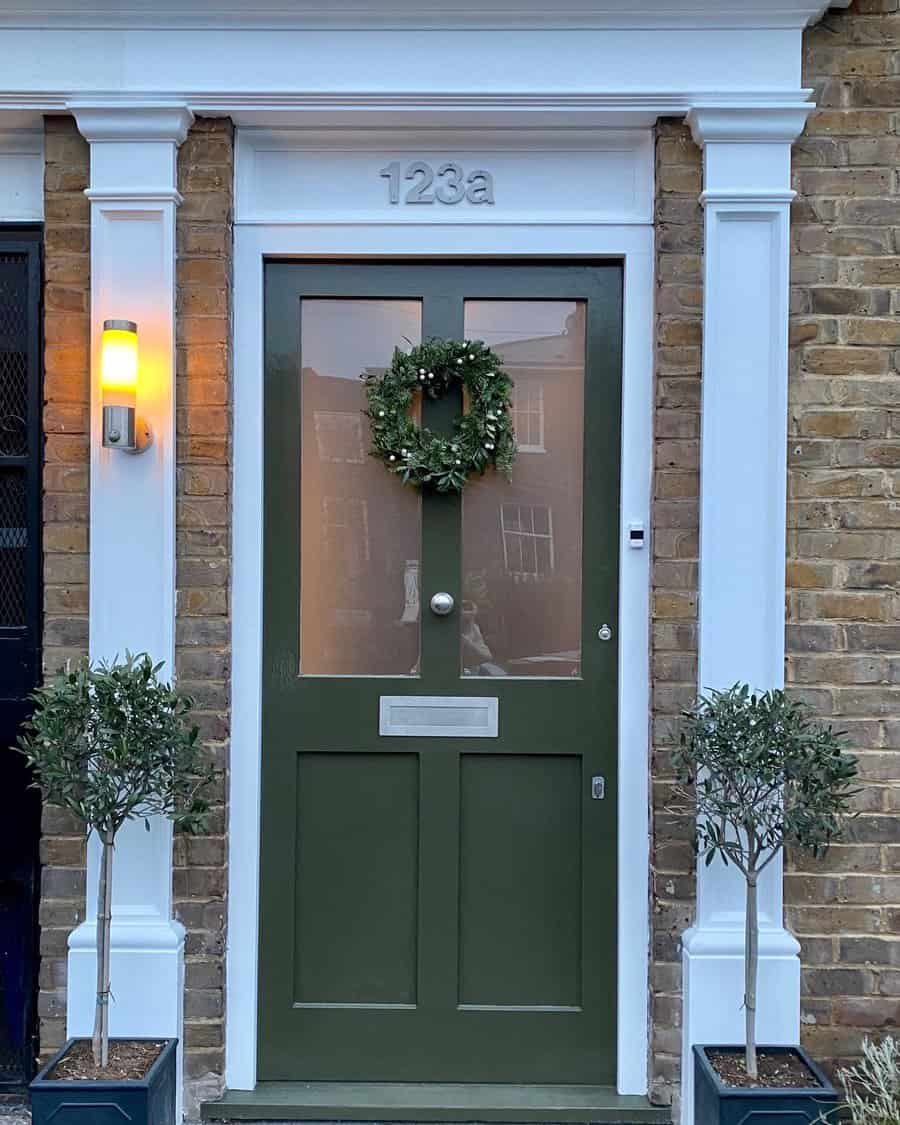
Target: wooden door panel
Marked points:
520	880
357	879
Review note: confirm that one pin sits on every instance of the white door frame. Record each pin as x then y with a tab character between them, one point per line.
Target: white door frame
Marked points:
626	235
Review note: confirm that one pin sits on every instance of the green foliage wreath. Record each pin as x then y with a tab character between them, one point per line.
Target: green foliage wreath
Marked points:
482	436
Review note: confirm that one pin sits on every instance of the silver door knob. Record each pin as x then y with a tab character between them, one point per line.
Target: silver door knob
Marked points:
604	633
442	604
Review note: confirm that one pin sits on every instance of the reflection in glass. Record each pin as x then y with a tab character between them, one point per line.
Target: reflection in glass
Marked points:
360	533
521	541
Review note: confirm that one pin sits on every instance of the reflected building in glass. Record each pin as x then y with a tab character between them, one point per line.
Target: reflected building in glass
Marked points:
522	538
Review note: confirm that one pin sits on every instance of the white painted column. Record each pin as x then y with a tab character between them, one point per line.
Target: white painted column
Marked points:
743	485
132	542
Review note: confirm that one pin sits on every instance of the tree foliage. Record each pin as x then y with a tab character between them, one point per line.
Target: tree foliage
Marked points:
763	774
111	742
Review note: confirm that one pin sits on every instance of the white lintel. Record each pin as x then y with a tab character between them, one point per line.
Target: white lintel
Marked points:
282	15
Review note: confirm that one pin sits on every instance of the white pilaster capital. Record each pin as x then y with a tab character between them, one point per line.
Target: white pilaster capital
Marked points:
766	123
747	152
100	123
133	151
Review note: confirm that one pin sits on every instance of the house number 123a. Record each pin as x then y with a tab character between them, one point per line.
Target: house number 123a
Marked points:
449	184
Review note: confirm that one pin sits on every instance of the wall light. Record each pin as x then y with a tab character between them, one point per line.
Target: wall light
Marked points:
122	428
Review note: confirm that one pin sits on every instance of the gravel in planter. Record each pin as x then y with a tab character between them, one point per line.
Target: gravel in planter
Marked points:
779	1071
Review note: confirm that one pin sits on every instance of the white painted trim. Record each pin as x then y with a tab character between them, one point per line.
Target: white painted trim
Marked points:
21	176
745	198
132	558
307	108
140	120
635	245
127	195
311	14
329	176
714	123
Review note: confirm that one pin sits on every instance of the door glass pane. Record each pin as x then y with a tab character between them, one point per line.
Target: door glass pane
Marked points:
360	530
521	541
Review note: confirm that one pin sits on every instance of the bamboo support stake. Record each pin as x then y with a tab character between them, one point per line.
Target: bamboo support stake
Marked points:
750	970
100	1038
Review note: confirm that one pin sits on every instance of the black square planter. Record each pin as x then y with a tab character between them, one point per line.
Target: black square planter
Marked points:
138	1101
718	1104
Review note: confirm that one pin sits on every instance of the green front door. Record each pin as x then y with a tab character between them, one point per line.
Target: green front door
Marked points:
440	906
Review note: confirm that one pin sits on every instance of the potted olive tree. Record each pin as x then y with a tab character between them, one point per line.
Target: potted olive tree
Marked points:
111	742
760	774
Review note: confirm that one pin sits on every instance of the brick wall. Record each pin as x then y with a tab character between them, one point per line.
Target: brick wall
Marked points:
675	520
203	391
66	454
844	519
843	572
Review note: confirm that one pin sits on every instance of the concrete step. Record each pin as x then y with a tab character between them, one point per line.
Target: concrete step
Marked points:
447	1103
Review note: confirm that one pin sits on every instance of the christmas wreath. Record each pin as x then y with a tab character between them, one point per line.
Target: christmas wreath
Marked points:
482	436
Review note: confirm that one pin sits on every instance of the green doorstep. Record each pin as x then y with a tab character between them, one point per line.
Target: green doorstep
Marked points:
403	1101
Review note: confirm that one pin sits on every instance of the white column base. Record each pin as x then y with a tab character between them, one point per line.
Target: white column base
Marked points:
713	985
147	981
146	971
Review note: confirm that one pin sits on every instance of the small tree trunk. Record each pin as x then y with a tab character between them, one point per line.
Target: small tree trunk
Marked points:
751	958
100	1038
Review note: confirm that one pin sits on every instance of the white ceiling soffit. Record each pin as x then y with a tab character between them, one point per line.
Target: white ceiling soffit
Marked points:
292	14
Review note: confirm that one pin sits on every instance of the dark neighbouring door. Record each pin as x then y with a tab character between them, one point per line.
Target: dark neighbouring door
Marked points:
20	601
439	908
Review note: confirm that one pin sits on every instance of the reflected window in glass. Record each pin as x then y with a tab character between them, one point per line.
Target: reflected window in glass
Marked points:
528	415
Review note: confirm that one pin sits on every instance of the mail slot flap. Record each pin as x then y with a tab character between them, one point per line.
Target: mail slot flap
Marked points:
439	716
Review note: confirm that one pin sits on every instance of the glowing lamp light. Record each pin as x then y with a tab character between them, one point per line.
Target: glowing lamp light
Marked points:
119	362
122	429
